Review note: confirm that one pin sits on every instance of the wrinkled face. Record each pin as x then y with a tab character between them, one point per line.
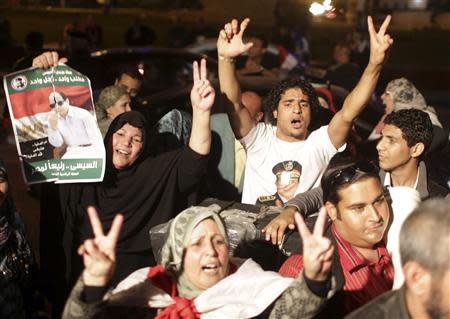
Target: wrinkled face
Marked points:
128	83
122	105
393	151
3	187
388	102
293	115
126	146
363	213
205	261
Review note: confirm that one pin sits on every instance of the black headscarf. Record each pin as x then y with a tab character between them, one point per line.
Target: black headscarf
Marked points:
137	120
6	211
149	192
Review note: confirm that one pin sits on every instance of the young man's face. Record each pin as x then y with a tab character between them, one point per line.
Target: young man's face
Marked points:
293	115
130	84
362	213
393	151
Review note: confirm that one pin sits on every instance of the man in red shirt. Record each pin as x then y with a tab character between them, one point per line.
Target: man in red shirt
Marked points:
359	216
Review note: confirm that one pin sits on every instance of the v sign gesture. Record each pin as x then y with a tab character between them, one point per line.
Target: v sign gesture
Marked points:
229	42
202	93
380	41
99	253
317	249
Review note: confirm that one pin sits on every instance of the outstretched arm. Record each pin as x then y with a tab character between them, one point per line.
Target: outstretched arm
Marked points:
355	102
230	46
202	99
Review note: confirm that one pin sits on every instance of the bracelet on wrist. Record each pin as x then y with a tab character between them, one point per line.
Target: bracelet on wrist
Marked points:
227	59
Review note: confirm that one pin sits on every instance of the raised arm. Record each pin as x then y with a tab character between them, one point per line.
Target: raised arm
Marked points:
230	46
310	290
358	98
202	99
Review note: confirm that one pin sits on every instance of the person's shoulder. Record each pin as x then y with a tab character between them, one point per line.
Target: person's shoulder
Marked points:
379	307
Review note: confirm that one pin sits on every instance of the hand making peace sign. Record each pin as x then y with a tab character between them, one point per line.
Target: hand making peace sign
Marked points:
202	93
99	255
379	42
317	249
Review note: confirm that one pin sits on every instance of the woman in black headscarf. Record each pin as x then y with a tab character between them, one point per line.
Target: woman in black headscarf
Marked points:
146	189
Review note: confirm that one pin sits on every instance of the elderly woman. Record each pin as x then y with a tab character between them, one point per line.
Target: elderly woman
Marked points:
402	94
16	259
147	189
196	278
114	100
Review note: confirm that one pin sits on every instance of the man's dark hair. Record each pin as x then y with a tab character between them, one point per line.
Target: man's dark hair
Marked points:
130	70
342	171
425	236
415	125
270	103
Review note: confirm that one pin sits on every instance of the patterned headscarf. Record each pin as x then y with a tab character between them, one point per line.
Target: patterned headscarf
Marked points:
406	96
108	97
179	236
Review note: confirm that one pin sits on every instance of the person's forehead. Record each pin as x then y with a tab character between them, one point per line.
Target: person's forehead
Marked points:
130	129
294	92
390	130
56	97
206	226
363	191
128	80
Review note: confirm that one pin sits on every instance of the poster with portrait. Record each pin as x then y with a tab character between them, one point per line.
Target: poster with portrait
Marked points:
55	127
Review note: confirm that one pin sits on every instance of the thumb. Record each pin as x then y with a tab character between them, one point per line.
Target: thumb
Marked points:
247	46
291	226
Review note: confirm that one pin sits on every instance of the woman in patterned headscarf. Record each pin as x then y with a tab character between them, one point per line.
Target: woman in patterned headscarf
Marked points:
195	279
402	94
113	100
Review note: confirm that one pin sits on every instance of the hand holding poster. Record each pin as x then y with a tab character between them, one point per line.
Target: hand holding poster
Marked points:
54	123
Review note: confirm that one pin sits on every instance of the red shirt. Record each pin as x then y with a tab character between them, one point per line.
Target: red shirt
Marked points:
364	280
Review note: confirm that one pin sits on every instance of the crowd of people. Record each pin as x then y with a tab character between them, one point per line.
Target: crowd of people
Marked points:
352	238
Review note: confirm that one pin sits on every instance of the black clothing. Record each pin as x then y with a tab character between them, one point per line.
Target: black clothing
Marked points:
390	305
344	75
269	61
150	192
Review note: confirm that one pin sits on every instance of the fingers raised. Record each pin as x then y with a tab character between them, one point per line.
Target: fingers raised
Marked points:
385	25
195	72
301	226
95	221
114	232
203	70
371	28
244	25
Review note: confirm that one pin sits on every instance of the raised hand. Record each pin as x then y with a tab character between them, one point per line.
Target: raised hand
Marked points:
53	120
99	254
317	249
47	60
229	42
379	42
202	93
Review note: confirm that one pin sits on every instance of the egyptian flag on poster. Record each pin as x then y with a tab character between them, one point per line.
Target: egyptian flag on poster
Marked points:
55	127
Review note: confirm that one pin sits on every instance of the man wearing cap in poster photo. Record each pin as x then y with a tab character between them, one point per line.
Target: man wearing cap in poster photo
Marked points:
74	128
288	177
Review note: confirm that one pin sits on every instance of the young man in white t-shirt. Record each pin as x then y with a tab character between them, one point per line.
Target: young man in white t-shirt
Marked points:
293	104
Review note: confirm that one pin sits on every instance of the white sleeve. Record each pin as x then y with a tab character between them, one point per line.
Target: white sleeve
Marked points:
95	136
54	137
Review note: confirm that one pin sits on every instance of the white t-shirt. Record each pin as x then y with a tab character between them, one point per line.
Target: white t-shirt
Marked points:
265	150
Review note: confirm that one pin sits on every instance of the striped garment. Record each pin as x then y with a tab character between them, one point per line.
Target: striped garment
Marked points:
363	280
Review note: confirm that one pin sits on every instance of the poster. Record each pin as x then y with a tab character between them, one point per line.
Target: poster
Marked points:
55	128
